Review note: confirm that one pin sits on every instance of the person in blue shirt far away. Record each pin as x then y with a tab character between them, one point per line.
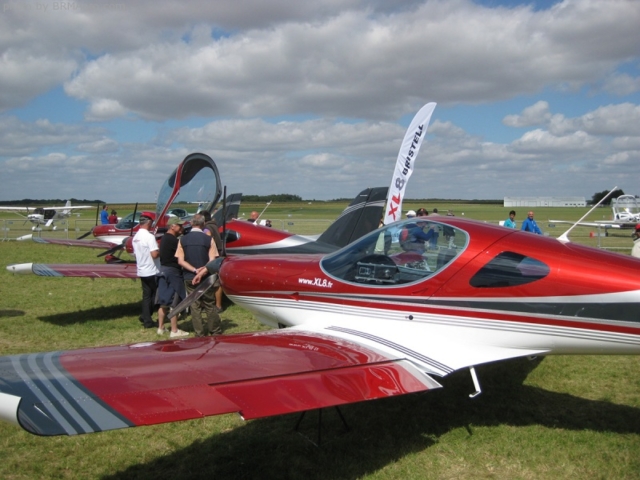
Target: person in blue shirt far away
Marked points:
104	215
530	225
511	221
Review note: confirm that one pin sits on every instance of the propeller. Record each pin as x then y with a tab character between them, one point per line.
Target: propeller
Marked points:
86	234
113	249
133	223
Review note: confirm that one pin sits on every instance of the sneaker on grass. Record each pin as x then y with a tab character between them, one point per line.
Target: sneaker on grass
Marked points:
179	333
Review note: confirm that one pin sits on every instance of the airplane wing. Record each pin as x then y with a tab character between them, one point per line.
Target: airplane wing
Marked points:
256	374
107	270
602	224
26	209
14	209
73	242
69	207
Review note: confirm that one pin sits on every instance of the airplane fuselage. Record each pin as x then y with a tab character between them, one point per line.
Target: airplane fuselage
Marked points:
503	288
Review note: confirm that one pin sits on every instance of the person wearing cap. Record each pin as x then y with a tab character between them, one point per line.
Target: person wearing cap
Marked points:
147	253
411	214
170	281
194	251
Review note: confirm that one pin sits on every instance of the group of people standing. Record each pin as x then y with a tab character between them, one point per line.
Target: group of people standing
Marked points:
105	218
529	224
167	273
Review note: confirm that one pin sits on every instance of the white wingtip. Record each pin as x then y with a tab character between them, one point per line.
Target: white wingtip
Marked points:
9	408
25	237
21	268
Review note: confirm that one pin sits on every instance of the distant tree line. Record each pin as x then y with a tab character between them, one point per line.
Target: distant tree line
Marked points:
599	196
279	198
285	197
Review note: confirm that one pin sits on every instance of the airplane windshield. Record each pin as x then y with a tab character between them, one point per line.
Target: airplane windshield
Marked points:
400	253
199	184
626	207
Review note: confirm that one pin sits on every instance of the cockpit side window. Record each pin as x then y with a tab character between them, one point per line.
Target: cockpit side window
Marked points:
397	254
129	221
509	269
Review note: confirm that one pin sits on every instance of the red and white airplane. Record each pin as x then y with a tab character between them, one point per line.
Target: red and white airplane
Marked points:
374	319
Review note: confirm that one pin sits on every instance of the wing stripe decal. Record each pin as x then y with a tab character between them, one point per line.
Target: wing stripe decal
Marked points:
407	351
40	395
55	397
517	324
50	395
613	307
44	271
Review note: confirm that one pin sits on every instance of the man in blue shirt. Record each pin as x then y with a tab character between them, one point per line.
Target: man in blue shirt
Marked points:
530	225
104	215
414	238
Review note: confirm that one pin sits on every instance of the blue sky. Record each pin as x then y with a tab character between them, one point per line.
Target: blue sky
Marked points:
102	100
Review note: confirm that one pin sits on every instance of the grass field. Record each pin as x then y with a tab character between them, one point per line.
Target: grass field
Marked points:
558	417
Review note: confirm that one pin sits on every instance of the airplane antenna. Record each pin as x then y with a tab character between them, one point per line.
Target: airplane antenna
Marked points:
564	238
268	203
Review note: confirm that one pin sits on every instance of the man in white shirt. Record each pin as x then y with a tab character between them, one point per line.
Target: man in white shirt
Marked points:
147	252
635	251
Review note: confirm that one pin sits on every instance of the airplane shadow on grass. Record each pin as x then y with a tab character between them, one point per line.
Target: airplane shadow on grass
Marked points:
383	431
111	312
98	313
11	313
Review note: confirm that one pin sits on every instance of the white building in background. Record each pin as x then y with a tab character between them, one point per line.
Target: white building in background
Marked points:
545	202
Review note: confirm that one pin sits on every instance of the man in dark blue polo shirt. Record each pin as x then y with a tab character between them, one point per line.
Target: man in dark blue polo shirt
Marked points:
195	250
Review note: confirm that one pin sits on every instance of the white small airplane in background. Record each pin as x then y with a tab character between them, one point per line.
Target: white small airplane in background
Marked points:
44	215
626	209
626	214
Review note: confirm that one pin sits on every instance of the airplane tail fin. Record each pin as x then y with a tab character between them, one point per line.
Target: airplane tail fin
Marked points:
232	208
359	218
67	211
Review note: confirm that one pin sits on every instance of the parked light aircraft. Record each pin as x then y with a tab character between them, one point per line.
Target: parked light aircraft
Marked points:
625	214
44	215
371	320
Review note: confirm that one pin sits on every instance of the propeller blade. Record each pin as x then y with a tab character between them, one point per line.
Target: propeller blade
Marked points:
133	223
86	234
112	250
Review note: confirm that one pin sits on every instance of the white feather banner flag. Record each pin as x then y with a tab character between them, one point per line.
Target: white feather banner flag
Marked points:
406	160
